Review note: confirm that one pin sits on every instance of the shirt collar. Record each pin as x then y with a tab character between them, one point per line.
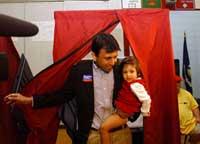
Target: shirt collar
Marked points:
98	69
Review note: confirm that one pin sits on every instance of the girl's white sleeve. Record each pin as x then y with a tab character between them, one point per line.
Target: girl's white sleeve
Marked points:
141	93
139	90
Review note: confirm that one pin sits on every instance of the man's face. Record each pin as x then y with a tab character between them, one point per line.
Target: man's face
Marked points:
106	60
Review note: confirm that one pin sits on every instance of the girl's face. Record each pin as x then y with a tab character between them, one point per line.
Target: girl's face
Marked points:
129	72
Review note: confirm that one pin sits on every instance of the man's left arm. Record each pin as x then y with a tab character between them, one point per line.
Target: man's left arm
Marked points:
194	107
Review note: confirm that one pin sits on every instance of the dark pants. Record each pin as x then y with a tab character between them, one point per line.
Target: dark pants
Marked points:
137	135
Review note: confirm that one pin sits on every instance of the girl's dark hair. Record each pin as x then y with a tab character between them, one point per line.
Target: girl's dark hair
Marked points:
104	41
133	61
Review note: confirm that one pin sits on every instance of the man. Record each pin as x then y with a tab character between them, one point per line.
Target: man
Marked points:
189	116
94	85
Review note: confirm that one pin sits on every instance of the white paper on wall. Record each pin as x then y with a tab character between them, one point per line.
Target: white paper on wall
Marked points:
197	4
131	4
46	31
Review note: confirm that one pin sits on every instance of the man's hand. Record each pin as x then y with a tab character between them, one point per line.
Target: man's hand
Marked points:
17	98
196	114
198	120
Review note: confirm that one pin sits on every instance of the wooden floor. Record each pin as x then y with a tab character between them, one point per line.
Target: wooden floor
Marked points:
63	138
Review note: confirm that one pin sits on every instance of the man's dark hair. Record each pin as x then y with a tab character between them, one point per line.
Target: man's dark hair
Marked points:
104	41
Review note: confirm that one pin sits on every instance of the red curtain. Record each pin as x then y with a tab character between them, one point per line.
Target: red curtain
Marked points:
7	127
73	29
72	42
148	33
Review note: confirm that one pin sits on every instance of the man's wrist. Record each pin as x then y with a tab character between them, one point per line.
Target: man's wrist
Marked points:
29	100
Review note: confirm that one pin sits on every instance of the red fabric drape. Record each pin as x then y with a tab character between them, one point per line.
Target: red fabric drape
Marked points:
7	128
44	122
71	44
149	35
74	28
126	46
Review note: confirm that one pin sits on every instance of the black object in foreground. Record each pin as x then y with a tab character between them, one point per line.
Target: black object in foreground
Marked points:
10	26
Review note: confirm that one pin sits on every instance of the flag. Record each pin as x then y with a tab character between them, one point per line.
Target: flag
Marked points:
186	70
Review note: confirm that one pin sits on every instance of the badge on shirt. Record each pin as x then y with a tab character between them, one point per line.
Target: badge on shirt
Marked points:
87	78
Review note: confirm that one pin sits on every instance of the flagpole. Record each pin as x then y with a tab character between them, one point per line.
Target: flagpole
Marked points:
186	70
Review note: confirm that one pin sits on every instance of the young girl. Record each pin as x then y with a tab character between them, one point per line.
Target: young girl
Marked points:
132	98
